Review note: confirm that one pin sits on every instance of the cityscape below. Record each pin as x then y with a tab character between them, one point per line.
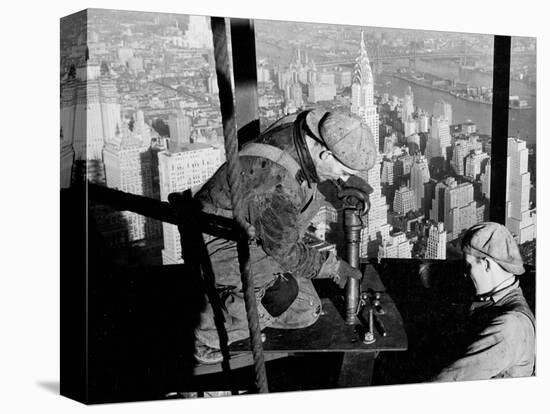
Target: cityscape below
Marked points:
140	113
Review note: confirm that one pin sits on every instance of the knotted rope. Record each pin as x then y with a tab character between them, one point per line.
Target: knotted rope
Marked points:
223	73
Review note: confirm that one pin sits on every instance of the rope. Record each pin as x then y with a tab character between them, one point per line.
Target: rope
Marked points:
233	174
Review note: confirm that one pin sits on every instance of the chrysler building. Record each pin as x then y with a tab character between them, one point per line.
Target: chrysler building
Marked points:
362	103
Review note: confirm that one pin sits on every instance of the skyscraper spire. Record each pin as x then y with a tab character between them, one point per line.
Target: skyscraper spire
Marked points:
362	71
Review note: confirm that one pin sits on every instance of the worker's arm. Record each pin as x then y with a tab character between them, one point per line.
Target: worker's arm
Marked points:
494	350
276	221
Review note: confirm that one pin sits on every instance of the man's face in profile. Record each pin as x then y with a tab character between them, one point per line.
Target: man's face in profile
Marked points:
477	270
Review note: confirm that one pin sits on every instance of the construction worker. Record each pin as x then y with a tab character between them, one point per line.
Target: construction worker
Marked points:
279	177
501	340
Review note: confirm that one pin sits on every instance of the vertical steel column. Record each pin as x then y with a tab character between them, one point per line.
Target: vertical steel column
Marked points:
499	128
243	46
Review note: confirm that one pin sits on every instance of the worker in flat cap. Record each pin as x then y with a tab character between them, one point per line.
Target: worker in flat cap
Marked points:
280	173
501	341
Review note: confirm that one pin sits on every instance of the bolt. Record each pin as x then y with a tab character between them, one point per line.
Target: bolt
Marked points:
369	335
369	338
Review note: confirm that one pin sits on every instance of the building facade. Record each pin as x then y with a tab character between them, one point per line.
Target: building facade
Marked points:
443	110
420	174
520	218
395	246
180	169
475	164
440	139
128	169
436	247
404	200
454	205
180	125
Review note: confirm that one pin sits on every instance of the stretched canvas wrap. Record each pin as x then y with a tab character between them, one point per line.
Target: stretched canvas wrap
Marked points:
153	109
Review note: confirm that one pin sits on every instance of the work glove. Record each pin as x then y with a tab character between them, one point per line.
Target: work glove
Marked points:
355	192
343	273
338	270
358	183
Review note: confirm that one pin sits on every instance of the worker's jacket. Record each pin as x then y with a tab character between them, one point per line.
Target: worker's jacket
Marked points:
277	201
502	339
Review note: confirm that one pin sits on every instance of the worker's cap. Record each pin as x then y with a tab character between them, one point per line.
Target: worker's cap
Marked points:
495	241
345	135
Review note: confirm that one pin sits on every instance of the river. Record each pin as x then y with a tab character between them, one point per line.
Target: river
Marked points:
522	122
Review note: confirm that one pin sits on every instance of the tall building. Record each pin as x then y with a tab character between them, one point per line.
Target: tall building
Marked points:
420	174
395	246
180	169
343	78
475	164
423	123
454	205
407	162
409	126
461	149
404	200
362	88
485	179
443	110
436	247
128	169
520	218
397	170
468	128
440	139
312	73
407	109
323	219
389	142
283	78
295	94
102	115
321	92
413	144
263	74
362	104
386	176
326	77
480	213
199	34
179	126
90	117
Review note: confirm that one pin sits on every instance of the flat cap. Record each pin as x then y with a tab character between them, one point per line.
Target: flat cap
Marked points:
345	135
495	241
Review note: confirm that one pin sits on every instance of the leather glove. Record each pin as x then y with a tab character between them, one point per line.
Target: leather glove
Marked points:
358	183
343	273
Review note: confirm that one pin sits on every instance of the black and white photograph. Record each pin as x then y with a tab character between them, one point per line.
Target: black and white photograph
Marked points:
255	206
263	196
